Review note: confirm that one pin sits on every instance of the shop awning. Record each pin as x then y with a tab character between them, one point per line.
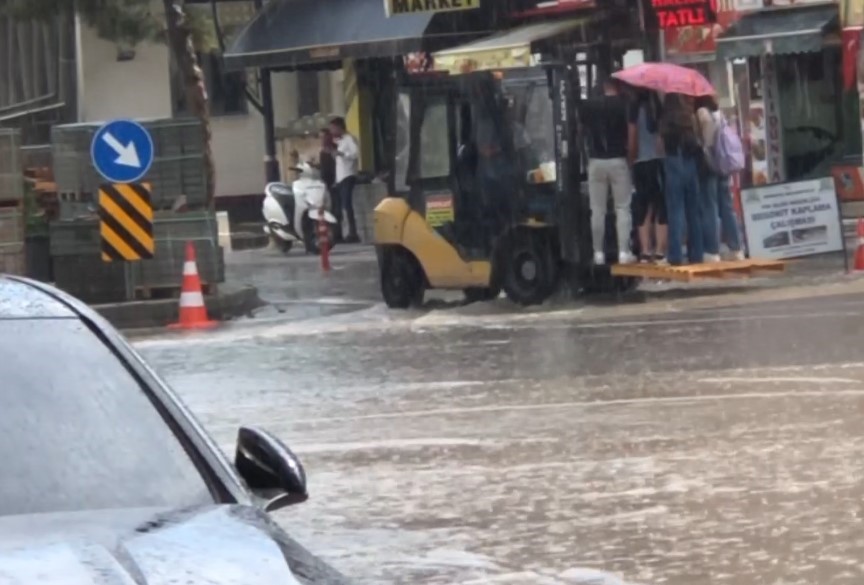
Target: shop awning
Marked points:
780	31
292	33
513	48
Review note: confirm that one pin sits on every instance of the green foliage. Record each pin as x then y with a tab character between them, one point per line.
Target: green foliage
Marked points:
36	221
125	22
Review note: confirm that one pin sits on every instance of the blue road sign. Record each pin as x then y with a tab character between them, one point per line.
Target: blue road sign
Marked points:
122	151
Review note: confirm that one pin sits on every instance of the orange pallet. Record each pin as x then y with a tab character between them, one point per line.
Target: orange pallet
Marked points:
691	272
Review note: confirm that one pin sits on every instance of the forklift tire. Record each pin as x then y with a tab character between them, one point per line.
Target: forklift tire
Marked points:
528	269
402	282
477	294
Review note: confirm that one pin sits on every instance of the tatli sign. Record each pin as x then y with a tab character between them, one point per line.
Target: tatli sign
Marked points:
678	13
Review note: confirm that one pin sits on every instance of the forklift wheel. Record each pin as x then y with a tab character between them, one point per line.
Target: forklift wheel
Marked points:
528	269
401	279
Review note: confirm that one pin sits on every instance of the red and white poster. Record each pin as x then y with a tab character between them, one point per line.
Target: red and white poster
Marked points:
689	41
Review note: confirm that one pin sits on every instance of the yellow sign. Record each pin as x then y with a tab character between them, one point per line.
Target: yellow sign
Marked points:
466	62
126	222
396	7
851	13
439	209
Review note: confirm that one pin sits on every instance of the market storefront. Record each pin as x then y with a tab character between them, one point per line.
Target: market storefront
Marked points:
800	120
366	40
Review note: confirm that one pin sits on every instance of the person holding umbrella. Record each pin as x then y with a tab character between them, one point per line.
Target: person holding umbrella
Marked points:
682	150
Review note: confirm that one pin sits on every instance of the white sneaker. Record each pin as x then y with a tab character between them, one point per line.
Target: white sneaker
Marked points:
599	258
626	258
711	258
738	255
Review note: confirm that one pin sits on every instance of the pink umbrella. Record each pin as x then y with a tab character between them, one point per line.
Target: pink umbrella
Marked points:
666	78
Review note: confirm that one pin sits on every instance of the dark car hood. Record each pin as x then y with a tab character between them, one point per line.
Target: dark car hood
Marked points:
214	545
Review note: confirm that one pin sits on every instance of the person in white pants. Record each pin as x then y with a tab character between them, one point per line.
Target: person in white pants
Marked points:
605	122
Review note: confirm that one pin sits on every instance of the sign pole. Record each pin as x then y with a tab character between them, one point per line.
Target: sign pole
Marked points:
842	233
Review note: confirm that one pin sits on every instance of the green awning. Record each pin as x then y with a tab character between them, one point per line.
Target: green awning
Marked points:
781	31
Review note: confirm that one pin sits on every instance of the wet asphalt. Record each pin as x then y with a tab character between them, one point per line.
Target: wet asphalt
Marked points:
666	443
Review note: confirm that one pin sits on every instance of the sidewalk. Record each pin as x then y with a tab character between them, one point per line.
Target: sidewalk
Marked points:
295	286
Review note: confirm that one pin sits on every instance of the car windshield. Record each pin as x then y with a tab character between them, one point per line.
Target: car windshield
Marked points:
78	432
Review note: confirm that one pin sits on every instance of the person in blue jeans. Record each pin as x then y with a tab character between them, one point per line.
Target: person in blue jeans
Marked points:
717	213
729	231
678	130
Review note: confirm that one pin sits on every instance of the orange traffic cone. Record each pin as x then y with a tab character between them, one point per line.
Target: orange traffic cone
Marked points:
193	312
859	251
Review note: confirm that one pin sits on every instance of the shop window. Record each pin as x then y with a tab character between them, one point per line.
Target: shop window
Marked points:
308	93
226	91
435	141
811	112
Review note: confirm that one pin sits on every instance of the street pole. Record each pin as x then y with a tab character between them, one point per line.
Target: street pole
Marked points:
271	163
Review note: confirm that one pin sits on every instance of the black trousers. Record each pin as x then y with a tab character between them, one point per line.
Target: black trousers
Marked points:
343	205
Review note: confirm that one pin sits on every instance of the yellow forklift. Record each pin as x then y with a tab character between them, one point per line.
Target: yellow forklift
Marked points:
490	194
491	197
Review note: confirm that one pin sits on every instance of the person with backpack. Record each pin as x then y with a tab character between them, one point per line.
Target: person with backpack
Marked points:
723	155
678	129
646	160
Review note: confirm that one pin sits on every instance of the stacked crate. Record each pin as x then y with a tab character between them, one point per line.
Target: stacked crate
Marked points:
78	265
12	217
177	179
177	171
171	231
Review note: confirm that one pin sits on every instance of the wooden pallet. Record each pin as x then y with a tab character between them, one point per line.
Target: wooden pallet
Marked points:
692	272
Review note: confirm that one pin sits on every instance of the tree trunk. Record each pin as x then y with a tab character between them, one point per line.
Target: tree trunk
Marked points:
197	101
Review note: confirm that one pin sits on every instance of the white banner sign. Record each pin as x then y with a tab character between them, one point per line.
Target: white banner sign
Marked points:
792	219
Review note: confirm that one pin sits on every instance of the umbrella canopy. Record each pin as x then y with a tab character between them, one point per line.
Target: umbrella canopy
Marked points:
666	78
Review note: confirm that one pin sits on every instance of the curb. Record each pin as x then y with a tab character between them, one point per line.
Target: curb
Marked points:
229	303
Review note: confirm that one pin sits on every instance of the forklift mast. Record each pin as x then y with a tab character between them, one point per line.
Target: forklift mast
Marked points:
572	206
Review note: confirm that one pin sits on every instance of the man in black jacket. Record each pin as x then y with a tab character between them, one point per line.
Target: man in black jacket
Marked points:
604	120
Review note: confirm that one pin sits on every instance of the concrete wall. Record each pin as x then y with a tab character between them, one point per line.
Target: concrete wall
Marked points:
141	88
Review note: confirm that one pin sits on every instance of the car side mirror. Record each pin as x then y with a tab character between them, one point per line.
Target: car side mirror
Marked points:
270	469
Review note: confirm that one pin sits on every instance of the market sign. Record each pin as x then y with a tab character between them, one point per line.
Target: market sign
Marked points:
792	219
397	7
678	13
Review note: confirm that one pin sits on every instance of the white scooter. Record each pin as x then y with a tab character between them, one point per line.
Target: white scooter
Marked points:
292	212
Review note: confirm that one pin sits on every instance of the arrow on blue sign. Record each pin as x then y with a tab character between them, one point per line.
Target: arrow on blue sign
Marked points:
122	151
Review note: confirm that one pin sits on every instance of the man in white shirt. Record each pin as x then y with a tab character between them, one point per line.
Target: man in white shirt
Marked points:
347	155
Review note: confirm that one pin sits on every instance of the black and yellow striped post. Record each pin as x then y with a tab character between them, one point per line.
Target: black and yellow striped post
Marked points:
126	222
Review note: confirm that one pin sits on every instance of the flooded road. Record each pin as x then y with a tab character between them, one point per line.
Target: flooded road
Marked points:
713	446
